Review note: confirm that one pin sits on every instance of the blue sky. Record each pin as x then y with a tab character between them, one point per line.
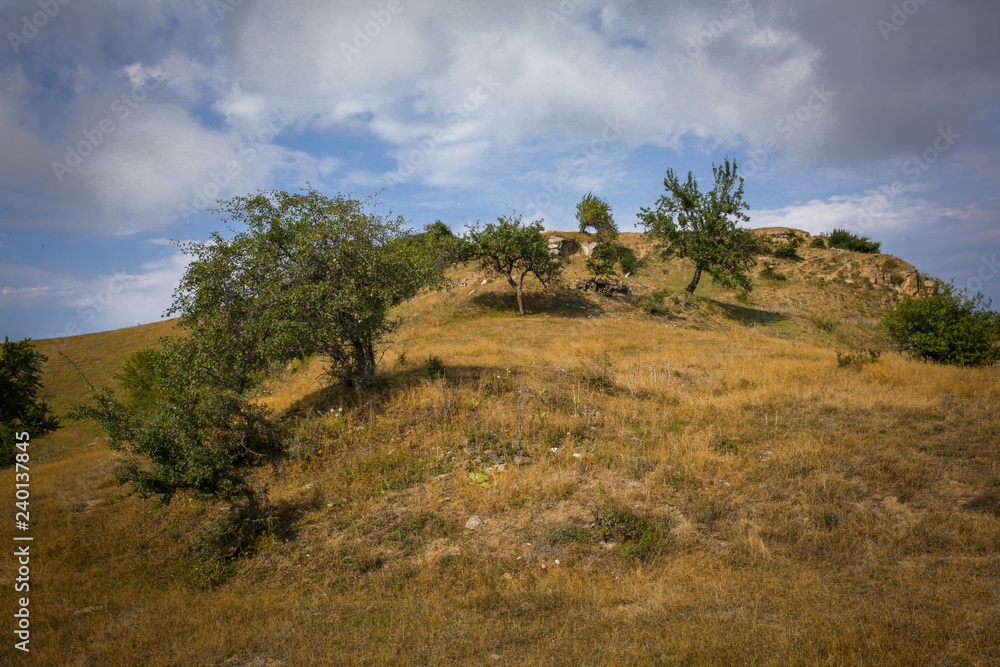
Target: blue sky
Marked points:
122	121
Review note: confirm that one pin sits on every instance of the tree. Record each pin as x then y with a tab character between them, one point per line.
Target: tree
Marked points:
594	212
947	326
309	274
702	227
20	409
514	250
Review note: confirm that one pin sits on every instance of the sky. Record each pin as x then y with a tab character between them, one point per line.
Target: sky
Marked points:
122	122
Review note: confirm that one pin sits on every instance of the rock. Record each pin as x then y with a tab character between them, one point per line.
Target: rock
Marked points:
473	522
910	286
588	248
562	247
603	285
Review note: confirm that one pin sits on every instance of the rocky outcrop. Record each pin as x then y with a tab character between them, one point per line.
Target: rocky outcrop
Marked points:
562	247
602	285
588	248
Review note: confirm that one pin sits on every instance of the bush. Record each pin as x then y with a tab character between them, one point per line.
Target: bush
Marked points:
946	326
818	242
787	250
770	274
845	240
434	367
857	359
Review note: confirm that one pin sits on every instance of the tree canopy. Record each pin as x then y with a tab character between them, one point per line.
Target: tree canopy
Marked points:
703	226
595	213
307	274
20	409
514	250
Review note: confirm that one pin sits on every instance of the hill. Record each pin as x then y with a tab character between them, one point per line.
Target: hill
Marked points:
639	478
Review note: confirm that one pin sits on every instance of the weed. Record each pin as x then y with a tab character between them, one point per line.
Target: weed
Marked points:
770	274
857	359
434	367
725	445
569	533
824	323
596	374
640	537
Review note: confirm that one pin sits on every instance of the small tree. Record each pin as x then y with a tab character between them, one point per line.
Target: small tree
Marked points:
20	409
594	212
845	240
703	227
309	274
946	326
514	250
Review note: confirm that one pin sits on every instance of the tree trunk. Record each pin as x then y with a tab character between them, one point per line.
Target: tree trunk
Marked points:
520	300
364	362
694	281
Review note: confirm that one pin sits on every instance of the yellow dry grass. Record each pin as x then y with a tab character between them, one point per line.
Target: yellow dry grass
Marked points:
800	513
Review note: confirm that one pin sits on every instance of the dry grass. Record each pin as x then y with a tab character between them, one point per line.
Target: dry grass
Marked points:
713	493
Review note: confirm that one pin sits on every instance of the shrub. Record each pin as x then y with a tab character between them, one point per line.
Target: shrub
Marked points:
640	537
434	367
818	242
770	274
787	250
823	322
857	359
845	240
821	282
946	326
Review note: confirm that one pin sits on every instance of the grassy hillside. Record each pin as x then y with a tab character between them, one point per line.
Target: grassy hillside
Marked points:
657	480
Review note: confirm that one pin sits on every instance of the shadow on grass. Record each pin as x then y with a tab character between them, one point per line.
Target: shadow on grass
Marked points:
563	302
749	316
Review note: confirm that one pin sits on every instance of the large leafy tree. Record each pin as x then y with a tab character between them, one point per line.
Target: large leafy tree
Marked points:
20	409
306	274
703	227
514	250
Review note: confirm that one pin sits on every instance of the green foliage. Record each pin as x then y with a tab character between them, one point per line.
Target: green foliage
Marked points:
442	243
845	240
703	227
602	260
725	445
604	257
514	250
595	213
20	409
787	250
141	380
770	274
639	536
306	275
947	326
818	242
235	535
857	359
434	367
821	282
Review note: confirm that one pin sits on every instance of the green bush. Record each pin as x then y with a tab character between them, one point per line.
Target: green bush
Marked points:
770	274
946	326
818	242
434	367
787	250
845	240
